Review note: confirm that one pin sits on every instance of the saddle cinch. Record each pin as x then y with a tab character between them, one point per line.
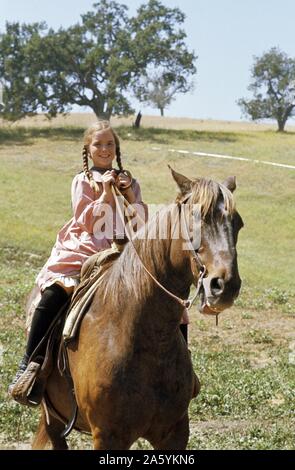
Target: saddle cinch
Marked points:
64	328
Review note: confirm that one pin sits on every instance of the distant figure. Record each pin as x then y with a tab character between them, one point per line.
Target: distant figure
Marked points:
137	120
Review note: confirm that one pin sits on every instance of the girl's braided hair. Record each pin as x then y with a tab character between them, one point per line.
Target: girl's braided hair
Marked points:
98	126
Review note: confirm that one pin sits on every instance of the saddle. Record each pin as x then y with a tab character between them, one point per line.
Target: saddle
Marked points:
93	272
31	387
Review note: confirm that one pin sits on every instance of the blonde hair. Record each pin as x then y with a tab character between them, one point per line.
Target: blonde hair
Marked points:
88	134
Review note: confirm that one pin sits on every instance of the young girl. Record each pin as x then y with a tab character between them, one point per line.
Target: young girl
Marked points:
75	242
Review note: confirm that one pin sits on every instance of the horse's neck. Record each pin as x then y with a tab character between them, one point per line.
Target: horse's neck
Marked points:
170	271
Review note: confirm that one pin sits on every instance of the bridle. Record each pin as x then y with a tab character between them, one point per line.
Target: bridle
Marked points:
195	258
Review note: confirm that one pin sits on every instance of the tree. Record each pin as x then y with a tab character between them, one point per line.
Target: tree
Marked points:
91	63
160	50
158	92
95	63
273	86
87	65
136	124
24	91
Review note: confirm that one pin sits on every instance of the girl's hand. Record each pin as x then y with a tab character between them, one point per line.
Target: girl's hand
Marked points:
108	178
123	182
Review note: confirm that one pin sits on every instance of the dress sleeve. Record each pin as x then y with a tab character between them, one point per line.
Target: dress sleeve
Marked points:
139	205
84	203
137	191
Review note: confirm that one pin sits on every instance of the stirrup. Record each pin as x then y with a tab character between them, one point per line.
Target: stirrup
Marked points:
18	375
20	391
37	392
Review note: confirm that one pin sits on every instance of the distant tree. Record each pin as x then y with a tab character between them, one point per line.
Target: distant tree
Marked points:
159	47
87	64
96	63
136	124
273	86
91	64
24	90
158	92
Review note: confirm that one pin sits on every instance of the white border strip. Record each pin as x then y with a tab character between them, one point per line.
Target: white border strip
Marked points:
230	157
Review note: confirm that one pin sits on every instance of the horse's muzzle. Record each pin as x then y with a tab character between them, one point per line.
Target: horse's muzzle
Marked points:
218	294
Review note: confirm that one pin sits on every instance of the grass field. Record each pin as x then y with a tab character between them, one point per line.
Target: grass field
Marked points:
247	365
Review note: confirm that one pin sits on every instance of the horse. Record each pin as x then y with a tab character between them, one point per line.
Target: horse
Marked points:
130	364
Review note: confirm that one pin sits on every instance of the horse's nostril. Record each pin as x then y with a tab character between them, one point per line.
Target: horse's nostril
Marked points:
217	286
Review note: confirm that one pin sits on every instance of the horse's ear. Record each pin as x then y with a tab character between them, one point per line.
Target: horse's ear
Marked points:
230	183
182	181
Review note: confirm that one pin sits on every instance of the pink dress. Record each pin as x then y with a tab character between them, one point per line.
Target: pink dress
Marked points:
77	240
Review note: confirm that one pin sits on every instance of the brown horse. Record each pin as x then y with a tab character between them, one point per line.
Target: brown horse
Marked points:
132	371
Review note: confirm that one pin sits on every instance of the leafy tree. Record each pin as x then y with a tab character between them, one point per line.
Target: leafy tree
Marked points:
91	64
24	92
161	52
86	64
273	86
95	63
158	92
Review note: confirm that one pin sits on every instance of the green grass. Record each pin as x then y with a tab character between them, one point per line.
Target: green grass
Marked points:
247	395
242	407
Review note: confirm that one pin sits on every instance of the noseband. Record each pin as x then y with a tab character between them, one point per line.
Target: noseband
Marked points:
195	259
201	268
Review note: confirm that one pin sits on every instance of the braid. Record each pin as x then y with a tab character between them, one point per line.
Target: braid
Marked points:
118	157
118	151
87	172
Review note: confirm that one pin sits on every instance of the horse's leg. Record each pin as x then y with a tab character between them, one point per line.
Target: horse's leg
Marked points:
108	441
41	437
177	438
98	441
54	430
50	432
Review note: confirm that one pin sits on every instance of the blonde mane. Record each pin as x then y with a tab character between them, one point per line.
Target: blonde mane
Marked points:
208	193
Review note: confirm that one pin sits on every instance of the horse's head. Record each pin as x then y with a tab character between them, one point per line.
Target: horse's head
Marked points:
216	241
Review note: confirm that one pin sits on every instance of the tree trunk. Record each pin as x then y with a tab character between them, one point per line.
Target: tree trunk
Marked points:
108	113
281	125
162	111
284	117
98	109
137	120
103	115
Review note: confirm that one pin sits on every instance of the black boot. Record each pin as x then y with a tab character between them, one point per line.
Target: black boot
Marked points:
53	299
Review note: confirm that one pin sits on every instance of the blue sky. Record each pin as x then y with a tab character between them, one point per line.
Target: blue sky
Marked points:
225	34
